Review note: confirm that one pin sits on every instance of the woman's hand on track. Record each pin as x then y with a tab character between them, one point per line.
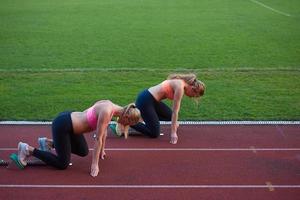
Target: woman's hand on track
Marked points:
94	170
103	155
174	138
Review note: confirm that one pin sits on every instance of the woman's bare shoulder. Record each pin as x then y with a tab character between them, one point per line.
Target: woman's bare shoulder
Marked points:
104	106
177	83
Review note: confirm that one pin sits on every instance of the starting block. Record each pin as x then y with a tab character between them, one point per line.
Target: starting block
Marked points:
14	160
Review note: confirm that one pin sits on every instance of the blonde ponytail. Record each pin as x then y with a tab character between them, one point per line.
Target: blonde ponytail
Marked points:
188	78
131	113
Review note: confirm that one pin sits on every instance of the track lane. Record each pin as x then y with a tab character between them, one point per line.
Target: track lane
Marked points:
250	167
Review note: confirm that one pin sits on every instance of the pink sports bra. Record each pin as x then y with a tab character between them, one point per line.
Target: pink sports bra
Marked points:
169	93
92	117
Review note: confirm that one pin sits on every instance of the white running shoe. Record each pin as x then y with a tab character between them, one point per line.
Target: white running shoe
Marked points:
119	129
116	129
23	153
43	144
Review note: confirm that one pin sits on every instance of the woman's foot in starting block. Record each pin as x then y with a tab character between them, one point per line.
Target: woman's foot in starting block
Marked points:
21	159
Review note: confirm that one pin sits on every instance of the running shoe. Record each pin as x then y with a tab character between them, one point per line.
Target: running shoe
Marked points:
23	153
43	144
115	129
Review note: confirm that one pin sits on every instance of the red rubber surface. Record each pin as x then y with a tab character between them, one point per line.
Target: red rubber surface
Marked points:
209	162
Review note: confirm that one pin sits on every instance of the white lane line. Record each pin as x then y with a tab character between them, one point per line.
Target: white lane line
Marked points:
168	123
150	186
185	149
202	149
268	7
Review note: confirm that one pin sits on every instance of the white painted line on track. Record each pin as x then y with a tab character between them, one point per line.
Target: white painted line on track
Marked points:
270	8
202	149
151	186
185	149
168	123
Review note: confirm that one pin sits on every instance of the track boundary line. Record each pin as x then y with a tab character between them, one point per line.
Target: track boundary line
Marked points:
151	186
185	149
168	123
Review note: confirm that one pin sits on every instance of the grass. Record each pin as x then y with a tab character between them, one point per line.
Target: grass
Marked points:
63	55
231	94
148	34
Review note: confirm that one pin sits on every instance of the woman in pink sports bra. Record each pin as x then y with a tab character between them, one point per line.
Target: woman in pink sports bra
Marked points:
68	129
153	110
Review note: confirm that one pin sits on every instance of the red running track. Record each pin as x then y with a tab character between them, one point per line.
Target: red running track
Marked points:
209	162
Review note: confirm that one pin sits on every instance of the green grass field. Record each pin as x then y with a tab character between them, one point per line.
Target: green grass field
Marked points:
64	55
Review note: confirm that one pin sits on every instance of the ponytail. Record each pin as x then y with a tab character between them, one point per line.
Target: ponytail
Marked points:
188	78
127	108
131	113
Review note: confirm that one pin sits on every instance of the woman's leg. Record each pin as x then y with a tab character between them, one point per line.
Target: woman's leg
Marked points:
145	103
151	126
163	111
79	145
61	130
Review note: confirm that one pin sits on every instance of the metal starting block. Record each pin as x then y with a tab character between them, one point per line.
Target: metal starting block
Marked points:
14	160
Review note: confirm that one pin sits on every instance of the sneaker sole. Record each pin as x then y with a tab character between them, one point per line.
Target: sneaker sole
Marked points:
15	159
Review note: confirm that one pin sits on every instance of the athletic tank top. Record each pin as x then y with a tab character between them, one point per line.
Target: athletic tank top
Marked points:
169	93
92	117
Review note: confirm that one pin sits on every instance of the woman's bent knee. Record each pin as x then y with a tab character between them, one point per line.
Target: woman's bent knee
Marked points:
63	165
84	153
154	134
